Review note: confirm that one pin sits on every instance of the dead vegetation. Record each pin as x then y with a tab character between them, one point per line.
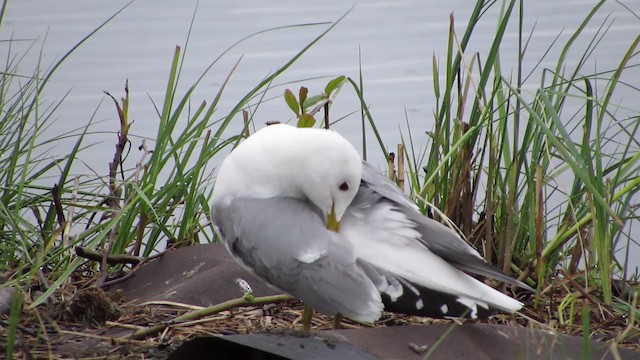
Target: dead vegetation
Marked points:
82	321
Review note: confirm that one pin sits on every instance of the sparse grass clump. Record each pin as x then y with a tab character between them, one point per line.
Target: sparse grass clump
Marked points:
544	182
501	158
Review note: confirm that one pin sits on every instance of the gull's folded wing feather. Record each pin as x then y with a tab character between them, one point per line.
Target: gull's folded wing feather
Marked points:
384	237
284	241
441	240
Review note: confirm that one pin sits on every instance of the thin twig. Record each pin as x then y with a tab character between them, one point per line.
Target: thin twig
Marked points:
172	303
400	173
391	159
111	259
151	330
24	330
143	261
115	190
117	340
577	286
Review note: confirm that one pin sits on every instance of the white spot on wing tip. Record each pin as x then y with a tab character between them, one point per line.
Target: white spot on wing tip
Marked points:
472	305
444	309
419	304
394	291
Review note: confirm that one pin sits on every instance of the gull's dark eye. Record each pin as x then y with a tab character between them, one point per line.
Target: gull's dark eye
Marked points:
344	186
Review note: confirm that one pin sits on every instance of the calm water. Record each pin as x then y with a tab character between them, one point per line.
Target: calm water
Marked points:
395	39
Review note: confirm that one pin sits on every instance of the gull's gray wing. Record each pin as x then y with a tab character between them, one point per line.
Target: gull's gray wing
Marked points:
284	241
438	238
375	181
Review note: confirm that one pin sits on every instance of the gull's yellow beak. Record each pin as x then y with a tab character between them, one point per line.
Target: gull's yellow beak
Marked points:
332	223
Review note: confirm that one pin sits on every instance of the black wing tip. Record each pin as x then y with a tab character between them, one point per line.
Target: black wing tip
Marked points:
484	269
508	280
433	304
524	286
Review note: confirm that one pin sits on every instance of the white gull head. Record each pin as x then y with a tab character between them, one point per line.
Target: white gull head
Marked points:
280	160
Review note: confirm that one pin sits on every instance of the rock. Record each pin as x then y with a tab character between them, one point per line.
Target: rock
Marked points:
6	299
6	296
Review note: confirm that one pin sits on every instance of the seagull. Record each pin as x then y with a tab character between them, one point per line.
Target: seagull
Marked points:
299	208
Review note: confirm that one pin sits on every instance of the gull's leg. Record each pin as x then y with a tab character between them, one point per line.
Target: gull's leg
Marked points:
307	315
337	321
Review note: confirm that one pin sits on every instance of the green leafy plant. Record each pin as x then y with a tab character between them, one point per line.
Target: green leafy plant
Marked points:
306	107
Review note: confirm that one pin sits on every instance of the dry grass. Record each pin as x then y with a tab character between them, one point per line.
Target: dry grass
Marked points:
84	322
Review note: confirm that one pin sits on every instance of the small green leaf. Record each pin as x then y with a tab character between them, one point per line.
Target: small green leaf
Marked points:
291	101
306	121
303	96
334	84
313	100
